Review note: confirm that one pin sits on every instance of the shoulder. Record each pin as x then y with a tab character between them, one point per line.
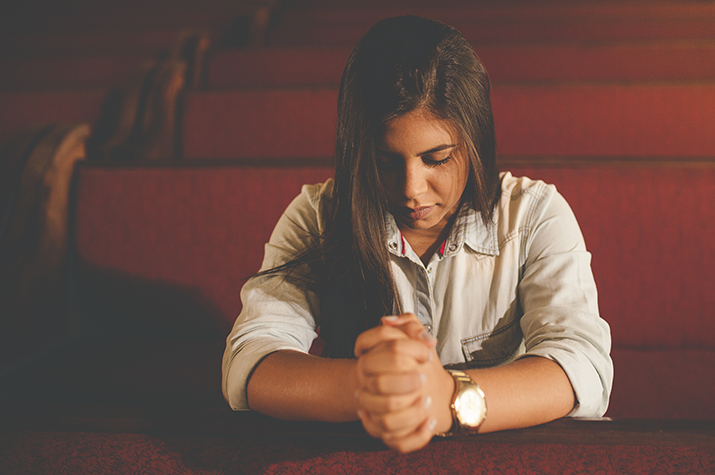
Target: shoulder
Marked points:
523	201
538	213
304	216
529	199
522	188
316	194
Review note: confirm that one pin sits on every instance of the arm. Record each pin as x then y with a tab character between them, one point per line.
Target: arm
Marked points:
566	369
279	314
524	393
297	386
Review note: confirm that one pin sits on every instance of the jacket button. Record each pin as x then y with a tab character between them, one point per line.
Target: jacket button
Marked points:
393	245
453	247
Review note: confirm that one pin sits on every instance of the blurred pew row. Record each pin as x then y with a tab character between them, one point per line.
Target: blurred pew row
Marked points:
646	95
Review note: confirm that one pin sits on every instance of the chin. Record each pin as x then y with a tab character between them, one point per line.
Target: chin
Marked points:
421	225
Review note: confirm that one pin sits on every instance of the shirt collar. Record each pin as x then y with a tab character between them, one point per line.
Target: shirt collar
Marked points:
468	229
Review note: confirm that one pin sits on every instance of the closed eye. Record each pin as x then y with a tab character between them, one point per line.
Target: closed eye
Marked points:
436	163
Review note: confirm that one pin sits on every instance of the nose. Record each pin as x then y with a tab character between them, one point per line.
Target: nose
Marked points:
415	179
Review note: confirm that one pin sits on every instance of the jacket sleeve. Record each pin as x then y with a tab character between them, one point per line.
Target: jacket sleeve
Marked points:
278	313
558	296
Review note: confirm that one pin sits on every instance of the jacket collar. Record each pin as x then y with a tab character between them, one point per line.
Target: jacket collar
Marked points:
468	229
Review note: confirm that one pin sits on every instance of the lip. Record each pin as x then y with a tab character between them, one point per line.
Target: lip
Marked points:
419	213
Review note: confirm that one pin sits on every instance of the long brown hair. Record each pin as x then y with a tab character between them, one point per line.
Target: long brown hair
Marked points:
400	65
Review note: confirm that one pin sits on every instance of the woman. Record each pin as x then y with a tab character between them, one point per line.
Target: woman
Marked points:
417	260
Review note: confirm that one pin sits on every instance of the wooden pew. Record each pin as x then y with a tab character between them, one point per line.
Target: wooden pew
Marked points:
36	170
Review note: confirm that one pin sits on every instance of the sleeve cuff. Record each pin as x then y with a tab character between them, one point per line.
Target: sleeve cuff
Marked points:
240	367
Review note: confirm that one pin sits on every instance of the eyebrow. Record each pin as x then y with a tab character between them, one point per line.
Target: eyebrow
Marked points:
438	148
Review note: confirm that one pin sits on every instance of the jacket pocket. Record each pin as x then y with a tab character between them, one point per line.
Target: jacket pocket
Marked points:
494	347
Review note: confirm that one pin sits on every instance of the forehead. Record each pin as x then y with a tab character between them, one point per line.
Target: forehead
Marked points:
416	130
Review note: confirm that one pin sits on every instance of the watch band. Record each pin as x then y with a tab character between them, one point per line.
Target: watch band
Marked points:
462	382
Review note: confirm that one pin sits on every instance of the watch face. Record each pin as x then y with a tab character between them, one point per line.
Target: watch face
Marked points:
470	406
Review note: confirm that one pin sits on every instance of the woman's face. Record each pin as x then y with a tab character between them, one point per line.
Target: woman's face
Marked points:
424	169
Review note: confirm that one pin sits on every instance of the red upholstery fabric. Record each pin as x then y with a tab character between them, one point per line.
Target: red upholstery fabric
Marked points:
638	120
314	66
19	110
599	62
79	453
275	67
53	72
200	230
663	384
271	123
607	120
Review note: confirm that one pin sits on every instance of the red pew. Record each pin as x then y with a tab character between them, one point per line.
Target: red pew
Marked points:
640	119
22	109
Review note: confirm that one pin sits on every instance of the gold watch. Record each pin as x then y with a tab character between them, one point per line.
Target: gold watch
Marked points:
469	406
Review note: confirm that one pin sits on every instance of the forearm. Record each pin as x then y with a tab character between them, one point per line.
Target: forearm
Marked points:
527	392
297	386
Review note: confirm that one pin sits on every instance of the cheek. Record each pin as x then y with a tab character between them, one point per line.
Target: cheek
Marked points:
452	184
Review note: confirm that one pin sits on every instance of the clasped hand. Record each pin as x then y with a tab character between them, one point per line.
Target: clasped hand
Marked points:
404	392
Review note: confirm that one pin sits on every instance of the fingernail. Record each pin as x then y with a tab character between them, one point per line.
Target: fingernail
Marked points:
423	379
391	318
428	402
357	394
432	423
361	413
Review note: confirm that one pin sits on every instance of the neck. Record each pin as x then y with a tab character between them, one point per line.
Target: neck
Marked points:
425	242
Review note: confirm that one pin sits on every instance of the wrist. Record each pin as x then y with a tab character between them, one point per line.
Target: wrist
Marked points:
444	410
468	405
352	386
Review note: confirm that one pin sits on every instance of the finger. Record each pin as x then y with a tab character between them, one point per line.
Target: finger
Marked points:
369	338
392	383
395	356
402	422
413	441
411	326
379	404
370	427
399	320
